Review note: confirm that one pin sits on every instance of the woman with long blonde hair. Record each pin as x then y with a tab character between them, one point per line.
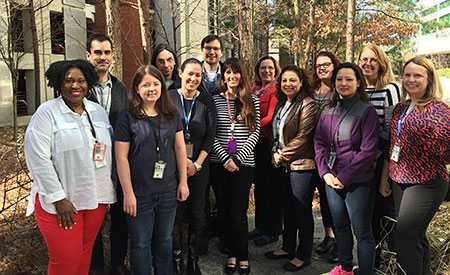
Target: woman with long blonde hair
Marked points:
418	155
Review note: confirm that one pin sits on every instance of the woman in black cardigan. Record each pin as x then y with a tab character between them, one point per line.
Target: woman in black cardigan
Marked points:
199	123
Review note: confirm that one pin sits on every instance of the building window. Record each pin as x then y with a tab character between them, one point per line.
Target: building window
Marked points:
57	32
22	103
17	32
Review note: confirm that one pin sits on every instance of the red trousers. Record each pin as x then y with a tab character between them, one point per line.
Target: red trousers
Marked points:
69	251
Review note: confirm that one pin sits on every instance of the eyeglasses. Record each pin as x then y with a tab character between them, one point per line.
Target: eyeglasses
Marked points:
209	48
368	60
323	65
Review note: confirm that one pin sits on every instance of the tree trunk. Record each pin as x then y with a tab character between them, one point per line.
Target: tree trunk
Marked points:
311	32
113	30
245	29
36	61
146	28
297	36
349	32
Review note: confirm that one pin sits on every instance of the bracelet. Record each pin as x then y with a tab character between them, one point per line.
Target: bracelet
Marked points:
198	167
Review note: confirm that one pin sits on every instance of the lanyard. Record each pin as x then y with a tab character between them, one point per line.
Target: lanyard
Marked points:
232	119
91	125
187	116
157	134
335	135
402	118
282	114
94	134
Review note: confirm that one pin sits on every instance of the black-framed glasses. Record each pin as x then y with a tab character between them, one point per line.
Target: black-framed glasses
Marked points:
323	65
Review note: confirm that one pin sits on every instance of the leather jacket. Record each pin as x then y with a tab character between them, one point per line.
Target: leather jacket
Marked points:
298	132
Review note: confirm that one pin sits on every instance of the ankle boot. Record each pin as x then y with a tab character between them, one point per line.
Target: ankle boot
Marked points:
178	263
192	267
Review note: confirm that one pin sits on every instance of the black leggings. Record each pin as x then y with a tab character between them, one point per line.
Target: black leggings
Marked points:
416	206
190	219
268	199
231	191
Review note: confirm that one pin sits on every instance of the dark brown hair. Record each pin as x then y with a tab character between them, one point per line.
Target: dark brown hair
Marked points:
248	112
163	106
305	89
315	79
360	91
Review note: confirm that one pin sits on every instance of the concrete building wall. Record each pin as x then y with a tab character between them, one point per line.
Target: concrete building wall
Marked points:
194	27
75	40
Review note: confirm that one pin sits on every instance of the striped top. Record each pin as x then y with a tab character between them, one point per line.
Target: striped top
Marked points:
246	140
384	101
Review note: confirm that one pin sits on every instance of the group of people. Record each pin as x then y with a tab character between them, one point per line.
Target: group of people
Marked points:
150	155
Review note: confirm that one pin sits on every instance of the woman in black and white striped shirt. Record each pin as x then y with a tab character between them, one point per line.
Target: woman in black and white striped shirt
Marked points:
383	94
232	162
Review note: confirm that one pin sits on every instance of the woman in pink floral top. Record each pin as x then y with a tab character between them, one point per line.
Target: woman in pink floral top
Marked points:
419	152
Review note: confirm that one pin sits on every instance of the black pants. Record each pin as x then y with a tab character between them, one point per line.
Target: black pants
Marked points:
299	219
268	204
190	220
416	206
118	237
383	207
231	191
319	183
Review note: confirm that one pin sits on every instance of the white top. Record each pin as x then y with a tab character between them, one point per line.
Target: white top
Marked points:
283	114
59	155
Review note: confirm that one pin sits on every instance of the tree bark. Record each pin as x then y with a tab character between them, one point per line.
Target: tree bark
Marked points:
36	61
113	30
146	28
297	36
311	32
245	29
349	32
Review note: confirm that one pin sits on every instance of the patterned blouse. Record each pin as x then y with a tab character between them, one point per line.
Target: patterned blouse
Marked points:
424	143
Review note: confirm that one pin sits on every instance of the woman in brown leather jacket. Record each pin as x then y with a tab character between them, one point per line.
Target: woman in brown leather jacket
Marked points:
293	130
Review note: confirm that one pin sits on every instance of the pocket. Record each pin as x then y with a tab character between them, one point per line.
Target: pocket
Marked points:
103	132
68	137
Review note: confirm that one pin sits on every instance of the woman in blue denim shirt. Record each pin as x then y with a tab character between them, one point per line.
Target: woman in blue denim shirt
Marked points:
151	164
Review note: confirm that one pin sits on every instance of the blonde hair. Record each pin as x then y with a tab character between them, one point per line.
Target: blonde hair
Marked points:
385	74
434	89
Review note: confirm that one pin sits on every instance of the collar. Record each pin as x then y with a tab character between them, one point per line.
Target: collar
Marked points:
104	84
218	71
88	106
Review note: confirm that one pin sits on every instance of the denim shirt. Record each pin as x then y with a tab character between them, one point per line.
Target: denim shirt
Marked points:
59	154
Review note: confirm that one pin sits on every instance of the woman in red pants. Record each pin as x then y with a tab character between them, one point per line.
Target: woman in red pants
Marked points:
68	152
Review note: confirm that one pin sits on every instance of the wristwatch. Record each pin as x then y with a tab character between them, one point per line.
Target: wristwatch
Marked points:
198	167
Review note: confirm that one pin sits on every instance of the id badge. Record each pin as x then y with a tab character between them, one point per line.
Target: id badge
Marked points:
395	152
331	159
232	146
158	173
190	150
99	151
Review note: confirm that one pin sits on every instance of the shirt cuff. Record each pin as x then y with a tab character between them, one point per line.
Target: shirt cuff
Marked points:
53	197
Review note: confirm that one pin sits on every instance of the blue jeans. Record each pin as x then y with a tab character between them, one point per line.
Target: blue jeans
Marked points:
151	233
352	207
299	219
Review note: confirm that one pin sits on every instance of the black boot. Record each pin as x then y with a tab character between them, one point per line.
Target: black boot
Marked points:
178	263
192	267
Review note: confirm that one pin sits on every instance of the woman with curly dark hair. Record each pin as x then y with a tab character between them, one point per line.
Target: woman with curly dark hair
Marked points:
65	136
293	129
151	164
233	161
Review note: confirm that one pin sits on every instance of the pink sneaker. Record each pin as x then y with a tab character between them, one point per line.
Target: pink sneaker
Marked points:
337	270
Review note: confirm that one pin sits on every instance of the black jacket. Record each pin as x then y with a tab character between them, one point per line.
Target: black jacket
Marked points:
119	99
202	126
